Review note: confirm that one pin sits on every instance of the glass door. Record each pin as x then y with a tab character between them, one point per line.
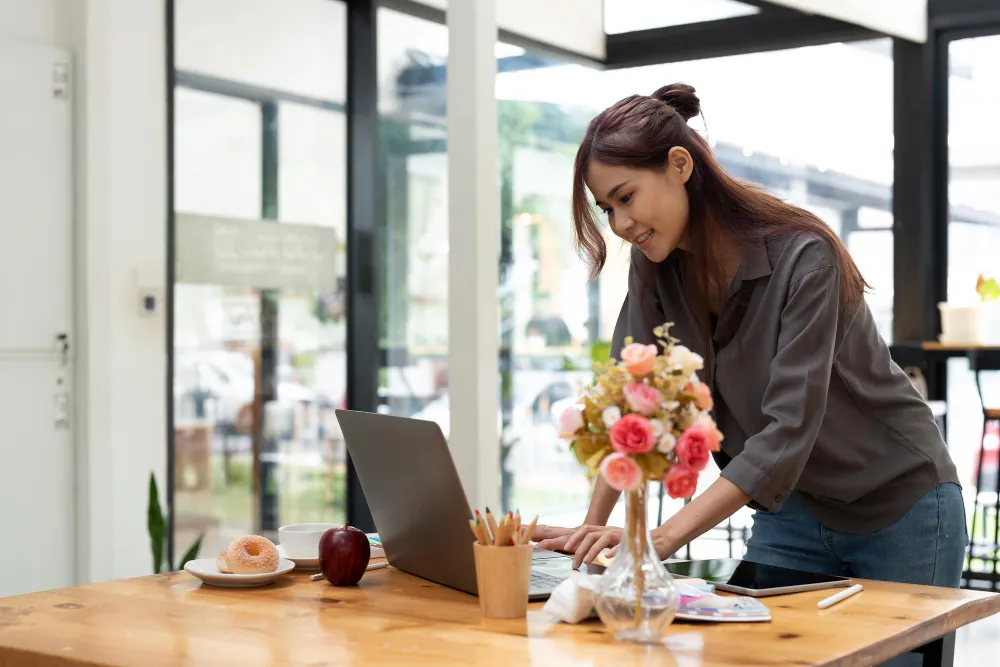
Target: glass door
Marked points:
974	253
260	262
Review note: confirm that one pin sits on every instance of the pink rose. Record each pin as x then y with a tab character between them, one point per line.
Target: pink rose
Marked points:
681	481
632	434
702	395
693	447
570	421
643	398
621	472
638	359
714	434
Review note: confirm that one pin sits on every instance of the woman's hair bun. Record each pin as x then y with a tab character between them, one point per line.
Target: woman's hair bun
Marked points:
681	97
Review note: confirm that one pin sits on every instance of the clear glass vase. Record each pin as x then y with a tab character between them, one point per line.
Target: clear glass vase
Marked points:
636	597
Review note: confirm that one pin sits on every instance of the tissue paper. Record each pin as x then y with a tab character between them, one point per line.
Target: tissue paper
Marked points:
573	600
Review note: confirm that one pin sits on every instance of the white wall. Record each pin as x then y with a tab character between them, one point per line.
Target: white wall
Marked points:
43	21
122	236
120	226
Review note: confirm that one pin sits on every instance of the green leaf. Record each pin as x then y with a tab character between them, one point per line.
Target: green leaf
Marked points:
192	553
989	289
600	351
156	525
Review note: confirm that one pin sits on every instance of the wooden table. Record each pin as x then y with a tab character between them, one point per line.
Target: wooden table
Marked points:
395	619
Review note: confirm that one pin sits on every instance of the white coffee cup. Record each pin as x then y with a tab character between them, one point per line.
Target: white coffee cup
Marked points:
301	540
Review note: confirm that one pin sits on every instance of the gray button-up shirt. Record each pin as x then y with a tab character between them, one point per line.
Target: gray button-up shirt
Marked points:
805	393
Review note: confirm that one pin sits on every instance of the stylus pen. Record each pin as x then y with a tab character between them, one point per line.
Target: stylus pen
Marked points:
371	566
842	595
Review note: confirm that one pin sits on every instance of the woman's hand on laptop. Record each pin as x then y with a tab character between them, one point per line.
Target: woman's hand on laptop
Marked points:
585	542
552	537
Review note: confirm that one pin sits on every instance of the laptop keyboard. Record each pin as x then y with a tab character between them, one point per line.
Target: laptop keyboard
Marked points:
542	580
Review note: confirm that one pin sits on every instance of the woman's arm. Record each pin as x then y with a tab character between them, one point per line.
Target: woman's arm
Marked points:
719	502
602	503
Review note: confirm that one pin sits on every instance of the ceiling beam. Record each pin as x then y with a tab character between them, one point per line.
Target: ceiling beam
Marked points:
773	29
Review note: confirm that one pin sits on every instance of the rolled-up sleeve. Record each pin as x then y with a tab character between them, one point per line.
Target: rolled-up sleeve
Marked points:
794	402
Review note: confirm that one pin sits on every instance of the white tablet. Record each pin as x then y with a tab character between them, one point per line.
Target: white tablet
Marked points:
748	578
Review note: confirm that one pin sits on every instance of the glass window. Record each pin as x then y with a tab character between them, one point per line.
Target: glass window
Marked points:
260	362
973	239
295	47
229	130
411	61
802	146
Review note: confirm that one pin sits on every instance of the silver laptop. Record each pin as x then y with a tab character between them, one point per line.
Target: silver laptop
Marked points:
419	507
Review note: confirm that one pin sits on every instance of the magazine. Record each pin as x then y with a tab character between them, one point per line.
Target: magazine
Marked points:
699	603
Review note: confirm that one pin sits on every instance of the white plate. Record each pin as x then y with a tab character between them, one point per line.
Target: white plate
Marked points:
300	563
206	570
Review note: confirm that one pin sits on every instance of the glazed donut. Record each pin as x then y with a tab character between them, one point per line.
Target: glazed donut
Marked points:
220	562
252	554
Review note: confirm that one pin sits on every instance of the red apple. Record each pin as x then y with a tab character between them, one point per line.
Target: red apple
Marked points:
343	555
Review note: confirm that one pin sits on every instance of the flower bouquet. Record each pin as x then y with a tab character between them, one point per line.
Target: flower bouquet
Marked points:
645	418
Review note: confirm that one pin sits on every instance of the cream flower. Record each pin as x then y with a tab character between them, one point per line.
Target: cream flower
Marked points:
666	443
684	359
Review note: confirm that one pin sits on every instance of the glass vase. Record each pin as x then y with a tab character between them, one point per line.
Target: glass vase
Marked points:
636	597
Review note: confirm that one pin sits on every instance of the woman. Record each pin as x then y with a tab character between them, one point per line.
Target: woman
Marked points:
824	435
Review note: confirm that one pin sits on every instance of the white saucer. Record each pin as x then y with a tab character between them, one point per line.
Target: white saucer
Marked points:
206	570
300	563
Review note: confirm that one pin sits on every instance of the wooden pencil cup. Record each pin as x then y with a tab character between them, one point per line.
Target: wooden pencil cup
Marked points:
503	576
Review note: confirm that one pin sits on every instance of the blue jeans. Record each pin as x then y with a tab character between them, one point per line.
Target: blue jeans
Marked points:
925	546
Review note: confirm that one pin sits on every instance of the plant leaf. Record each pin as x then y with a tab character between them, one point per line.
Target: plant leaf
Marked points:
192	553
593	462
155	525
653	464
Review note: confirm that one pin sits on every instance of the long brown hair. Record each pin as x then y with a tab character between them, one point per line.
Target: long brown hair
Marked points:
638	132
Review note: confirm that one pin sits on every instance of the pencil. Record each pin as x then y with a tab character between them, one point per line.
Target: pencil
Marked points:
492	523
529	531
503	532
477	529
517	522
508	531
486	528
481	532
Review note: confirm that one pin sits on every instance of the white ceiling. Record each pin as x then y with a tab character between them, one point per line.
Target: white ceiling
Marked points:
573	25
900	18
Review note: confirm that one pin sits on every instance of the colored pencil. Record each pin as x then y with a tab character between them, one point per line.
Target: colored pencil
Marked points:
486	527
492	523
529	531
481	533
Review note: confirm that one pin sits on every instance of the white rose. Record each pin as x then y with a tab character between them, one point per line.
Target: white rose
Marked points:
611	415
687	361
666	443
658	428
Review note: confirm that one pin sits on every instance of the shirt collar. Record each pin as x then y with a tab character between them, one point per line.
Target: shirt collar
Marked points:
755	263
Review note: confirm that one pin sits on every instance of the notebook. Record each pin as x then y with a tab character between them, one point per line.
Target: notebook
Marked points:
376	544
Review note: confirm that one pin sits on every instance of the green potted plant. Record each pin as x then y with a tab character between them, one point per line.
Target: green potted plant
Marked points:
989	295
157	527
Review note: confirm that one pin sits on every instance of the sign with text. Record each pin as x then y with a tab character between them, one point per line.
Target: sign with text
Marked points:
254	253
